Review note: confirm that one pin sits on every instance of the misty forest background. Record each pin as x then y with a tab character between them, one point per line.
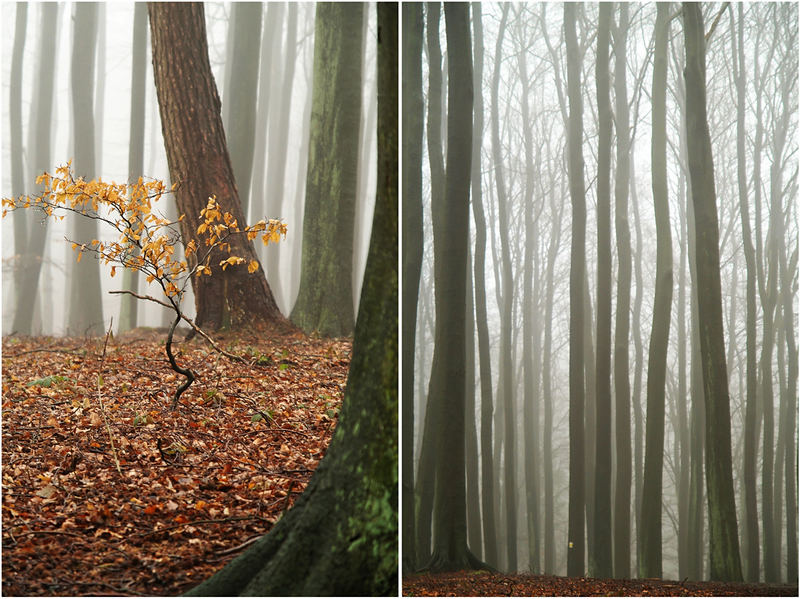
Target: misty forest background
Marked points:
640	309
266	109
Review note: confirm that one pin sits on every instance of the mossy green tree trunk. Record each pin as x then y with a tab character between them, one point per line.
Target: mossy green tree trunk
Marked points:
340	538
200	165
325	299
724	560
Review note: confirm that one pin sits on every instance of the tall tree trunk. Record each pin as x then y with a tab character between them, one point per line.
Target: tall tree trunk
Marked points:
278	142
724	555
622	385
636	397
412	253
481	318
600	555
325	300
340	537
506	364
425	477
531	337
556	209
130	278
270	43
241	94
85	305
650	566
575	536
199	162
15	133
750	432
447	374
471	439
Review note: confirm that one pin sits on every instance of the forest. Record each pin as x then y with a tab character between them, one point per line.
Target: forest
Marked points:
600	250
199	298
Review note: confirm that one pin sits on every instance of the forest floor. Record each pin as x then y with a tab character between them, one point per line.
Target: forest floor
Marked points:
488	584
106	491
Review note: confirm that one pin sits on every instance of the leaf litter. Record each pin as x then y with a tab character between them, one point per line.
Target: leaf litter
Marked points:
180	492
481	583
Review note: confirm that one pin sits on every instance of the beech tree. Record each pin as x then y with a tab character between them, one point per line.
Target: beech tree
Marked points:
576	543
724	538
325	300
199	163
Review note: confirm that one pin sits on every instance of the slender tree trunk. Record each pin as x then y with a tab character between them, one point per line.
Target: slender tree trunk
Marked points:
85	305
412	253
600	555
15	133
130	278
506	371
724	555
750	433
425	477
278	142
241	94
471	440
575	536
556	209
622	386
200	165
650	565
531	337
481	318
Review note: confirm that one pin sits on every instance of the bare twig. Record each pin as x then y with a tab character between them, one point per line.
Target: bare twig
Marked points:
190	322
100	398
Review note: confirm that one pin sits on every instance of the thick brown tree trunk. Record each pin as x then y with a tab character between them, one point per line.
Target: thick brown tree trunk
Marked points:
199	163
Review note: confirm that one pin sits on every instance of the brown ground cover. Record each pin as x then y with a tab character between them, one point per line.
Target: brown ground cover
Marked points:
488	584
181	492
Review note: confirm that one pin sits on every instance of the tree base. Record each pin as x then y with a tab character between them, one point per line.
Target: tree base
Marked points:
455	561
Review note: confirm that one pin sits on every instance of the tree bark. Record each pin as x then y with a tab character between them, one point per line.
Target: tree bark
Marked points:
650	533
325	300
85	300
750	433
199	163
600	560
15	134
487	467
412	253
506	370
340	538
724	539
241	94
130	278
446	394
575	536
622	385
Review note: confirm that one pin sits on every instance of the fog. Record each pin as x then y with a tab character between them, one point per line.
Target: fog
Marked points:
112	114
524	174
